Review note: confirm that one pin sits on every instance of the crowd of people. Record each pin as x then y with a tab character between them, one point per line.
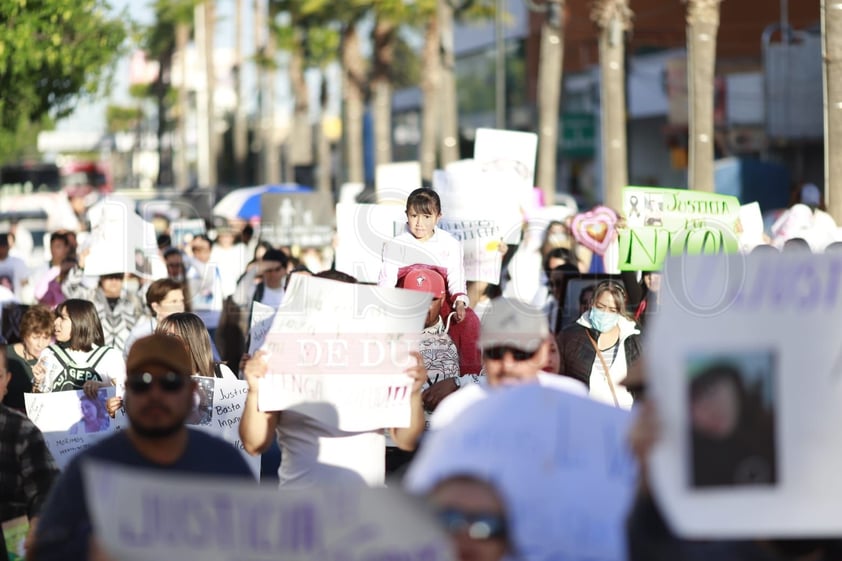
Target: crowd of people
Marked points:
150	338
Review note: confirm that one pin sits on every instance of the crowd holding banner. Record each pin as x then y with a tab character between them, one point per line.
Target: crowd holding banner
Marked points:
655	382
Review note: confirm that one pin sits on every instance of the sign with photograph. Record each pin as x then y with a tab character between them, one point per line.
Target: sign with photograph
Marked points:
185	517
72	421
119	242
302	219
746	383
338	352
662	222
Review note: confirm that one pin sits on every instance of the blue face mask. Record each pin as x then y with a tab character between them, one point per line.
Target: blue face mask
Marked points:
603	321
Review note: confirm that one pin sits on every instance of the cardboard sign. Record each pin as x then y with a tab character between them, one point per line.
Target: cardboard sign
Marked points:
394	182
303	219
338	352
184	517
361	231
72	422
559	461
746	381
183	231
217	407
495	149
119	242
664	222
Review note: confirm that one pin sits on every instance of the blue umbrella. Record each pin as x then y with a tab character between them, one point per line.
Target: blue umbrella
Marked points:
245	203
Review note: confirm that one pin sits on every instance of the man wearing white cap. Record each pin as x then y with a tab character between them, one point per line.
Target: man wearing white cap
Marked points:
515	344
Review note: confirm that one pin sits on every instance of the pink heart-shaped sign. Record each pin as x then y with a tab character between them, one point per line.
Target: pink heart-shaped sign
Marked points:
595	229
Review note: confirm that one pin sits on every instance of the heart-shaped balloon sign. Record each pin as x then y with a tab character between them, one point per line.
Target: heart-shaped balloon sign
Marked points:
595	229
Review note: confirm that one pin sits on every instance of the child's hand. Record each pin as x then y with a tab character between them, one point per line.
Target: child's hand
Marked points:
460	311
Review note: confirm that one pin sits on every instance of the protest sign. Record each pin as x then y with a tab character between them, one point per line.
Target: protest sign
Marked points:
303	219
498	149
746	381
119	242
178	516
71	421
345	346
558	461
662	222
361	231
751	228
394	182
481	240
14	535
183	231
217	407
261	322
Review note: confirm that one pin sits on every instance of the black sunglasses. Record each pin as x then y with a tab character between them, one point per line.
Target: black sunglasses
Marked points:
479	526
169	382
497	353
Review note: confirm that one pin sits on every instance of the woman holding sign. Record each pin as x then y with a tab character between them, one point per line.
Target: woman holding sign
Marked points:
599	348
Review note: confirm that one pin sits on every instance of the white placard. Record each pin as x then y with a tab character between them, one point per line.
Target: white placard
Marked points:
481	240
361	232
496	147
119	242
217	407
177	516
72	422
338	352
746	380
394	182
261	321
559	462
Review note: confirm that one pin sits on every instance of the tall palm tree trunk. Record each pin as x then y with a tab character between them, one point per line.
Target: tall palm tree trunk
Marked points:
182	169
384	35
549	96
613	17
429	103
449	119
353	68
240	128
702	27
832	56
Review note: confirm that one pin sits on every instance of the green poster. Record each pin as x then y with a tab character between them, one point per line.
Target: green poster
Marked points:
662	222
14	533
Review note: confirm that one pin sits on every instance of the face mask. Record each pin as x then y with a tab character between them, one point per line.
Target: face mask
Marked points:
603	321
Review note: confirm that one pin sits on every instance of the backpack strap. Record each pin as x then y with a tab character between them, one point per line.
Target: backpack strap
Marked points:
217	370
97	355
61	355
259	292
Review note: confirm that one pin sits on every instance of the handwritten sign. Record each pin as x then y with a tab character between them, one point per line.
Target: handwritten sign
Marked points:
303	219
481	241
361	231
72	422
346	345
755	337
664	222
566	487
218	406
184	517
261	321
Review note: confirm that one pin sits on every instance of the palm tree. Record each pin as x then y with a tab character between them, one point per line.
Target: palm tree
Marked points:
702	27
613	18
832	55
549	93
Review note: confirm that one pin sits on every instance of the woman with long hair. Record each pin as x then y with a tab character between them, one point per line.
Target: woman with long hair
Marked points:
191	330
79	359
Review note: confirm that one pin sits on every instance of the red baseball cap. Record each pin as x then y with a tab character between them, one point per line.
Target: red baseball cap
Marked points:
425	280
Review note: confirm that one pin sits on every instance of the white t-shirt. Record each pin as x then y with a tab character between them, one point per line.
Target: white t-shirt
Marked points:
272	296
315	453
456	403
111	367
17	271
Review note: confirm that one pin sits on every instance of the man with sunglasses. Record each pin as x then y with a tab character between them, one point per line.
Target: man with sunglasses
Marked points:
515	346
158	400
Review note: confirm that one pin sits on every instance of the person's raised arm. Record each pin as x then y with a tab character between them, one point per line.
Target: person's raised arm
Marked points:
257	428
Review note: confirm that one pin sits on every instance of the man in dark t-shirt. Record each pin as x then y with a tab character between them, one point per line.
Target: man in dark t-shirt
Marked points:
158	400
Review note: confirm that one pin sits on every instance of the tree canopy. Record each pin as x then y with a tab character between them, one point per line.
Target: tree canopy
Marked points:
51	53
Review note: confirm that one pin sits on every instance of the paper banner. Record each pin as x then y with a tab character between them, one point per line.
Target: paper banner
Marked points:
261	321
662	222
566	487
517	150
185	517
481	241
361	231
745	376
303	219
71	422
338	352
217	407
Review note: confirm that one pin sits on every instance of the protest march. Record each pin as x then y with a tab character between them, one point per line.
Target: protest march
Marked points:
451	371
